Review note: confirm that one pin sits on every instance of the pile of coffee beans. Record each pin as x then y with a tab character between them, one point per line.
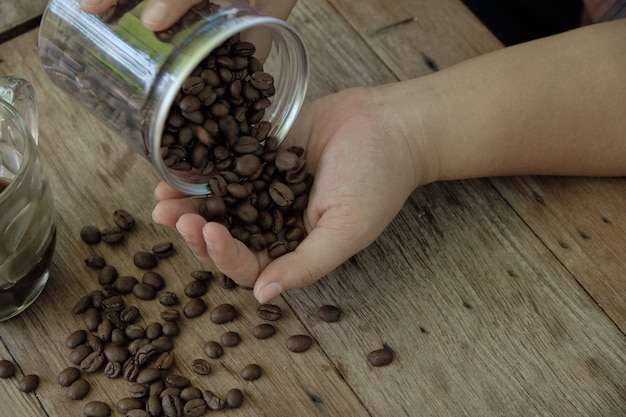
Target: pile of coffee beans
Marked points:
216	130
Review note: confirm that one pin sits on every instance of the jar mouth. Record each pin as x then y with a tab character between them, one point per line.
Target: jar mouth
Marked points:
291	88
26	150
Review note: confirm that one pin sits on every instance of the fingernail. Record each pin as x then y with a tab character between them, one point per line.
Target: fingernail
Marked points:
184	235
154	15
88	4
269	291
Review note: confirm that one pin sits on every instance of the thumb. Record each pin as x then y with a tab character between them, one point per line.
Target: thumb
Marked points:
319	253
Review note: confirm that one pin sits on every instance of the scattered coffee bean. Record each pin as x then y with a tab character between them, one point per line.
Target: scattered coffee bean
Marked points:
163	249
195	407
28	383
213	402
201	366
138	412
190	393
126	404
112	235
123	219
170	328
172	405
202	275
230	339
107	275
168	299
68	376
95	261
7	369
78	389
113	369
299	343
79	353
263	331
76	338
125	284
165	361
90	234
144	291
329	313
269	312
194	308
223	313
380	357
177	381
251	372
195	288
137	390
153	279
226	282
234	398
145	260
170	314
96	409
213	349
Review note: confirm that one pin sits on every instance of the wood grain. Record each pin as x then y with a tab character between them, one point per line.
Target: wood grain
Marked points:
498	297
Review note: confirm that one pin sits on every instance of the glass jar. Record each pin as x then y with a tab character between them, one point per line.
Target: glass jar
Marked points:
131	77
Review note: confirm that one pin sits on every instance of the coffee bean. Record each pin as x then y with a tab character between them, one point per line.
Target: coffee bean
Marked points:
251	372
163	344
380	357
114	353
299	343
95	261
123	219
195	289
82	304
170	314
90	234
201	366
93	362
269	312
78	389
202	275
165	361
113	369
153	279
281	194
226	282
68	376
137	412
112	235
107	275
168	299
172	405
329	313
212	401
76	338
153	406
137	390
125	284
129	315
145	260
170	328
7	369
144	291
163	249
213	349
79	353
148	375
230	339
96	409
177	381
195	407
234	398
154	330
223	313
263	331
194	308
126	404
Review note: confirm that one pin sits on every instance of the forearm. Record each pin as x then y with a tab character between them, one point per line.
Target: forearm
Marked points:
554	106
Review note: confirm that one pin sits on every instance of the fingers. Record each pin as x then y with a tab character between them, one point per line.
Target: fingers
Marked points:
161	14
97	6
321	252
190	228
164	191
231	256
167	212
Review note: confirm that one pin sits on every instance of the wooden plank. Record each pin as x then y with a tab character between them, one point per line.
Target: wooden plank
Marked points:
92	172
15	13
581	220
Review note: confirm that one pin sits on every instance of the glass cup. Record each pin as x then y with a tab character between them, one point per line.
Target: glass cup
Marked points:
130	76
27	217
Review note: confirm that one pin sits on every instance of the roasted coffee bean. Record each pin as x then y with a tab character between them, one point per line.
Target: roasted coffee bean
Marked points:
118	337
170	328
130	314
137	390
154	330
153	279
170	314
223	313
226	282
278	249
95	261
269	312
299	343
114	353
94	342
90	234
195	288
329	313
234	398
134	331
7	369
202	275
125	284
68	376
130	370
165	361
281	194
380	357
145	354
145	260
163	344
201	366
82	304
213	402
96	409
168	299
112	235
137	412
263	331
148	375
113	304
251	372
195	407
190	393
177	381
194	308
93	362
230	339
153	406
213	349
124	405
193	85
76	338
107	275
113	369
123	219
163	249
79	353
261	80
78	389
144	291
172	405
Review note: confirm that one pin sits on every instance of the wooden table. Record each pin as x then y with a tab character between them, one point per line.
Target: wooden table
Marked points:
500	297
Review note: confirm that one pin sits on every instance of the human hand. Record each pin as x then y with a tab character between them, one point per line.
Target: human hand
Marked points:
161	14
363	172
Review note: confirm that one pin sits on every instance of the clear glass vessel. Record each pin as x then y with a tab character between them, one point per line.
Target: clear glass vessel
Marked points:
130	76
